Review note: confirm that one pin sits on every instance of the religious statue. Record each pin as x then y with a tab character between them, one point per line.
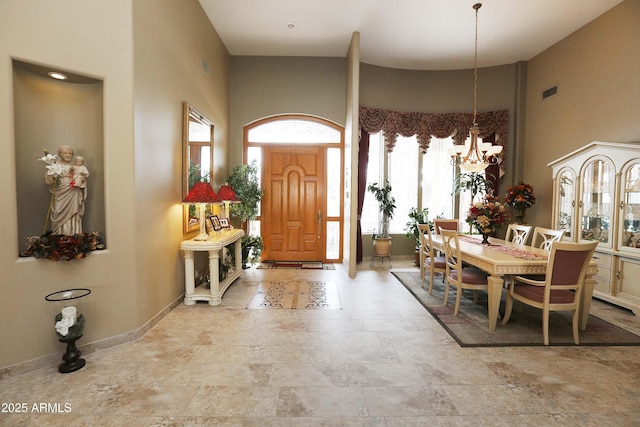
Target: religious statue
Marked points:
69	188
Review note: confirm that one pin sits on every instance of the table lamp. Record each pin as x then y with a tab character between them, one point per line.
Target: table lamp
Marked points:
227	196
201	194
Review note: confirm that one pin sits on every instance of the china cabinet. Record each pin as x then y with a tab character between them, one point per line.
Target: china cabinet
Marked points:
596	196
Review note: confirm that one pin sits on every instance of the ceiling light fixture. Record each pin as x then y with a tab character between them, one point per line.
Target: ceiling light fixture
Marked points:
474	156
58	76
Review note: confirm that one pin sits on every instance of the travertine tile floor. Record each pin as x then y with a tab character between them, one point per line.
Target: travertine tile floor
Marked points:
381	361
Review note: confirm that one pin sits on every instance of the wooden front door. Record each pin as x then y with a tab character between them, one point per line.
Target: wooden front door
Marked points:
292	203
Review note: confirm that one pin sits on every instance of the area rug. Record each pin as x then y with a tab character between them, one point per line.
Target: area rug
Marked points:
471	327
296	295
296	265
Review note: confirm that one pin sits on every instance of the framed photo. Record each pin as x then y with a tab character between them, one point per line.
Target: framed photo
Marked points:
215	221
224	223
208	224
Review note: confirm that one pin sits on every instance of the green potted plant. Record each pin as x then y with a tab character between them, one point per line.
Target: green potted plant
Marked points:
245	183
473	182
411	228
387	206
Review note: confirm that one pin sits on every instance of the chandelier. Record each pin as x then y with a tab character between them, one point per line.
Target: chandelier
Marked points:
474	156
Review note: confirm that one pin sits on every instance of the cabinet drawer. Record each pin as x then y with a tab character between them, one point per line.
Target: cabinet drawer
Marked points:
603	260
603	276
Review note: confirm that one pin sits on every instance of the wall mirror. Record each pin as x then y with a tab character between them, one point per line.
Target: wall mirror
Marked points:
197	159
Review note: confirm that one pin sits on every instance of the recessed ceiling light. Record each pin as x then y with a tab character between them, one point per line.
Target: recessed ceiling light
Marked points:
291	25
57	75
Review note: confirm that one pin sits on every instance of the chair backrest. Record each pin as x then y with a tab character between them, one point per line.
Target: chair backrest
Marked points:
543	237
446	224
518	234
426	244
451	250
568	264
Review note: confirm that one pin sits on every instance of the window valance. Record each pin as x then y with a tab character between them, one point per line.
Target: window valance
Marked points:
426	125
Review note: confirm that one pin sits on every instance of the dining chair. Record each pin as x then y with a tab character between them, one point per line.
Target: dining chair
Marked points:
446	224
471	278
518	234
561	288
429	259
543	237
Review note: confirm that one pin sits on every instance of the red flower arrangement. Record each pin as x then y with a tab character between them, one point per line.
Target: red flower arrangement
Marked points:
520	196
488	214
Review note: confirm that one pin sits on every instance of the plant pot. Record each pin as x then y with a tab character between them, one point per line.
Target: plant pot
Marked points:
519	214
382	246
245	257
486	233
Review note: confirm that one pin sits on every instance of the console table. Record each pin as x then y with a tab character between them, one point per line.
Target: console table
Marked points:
215	246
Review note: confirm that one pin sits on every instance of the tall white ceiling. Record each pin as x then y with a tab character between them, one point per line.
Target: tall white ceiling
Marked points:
409	34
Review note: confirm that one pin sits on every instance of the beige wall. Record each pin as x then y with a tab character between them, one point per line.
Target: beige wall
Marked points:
141	272
171	41
597	71
266	86
93	39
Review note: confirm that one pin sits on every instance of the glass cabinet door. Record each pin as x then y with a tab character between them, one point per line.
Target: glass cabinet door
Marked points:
566	202
630	208
597	202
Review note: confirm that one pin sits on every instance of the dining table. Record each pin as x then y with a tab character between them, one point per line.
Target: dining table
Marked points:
502	258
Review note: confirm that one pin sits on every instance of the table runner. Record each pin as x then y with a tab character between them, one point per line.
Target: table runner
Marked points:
518	253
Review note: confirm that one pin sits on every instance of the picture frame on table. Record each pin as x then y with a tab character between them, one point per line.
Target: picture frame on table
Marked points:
224	222
215	221
208	225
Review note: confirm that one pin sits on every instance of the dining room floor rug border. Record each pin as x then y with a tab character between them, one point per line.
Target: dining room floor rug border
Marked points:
470	327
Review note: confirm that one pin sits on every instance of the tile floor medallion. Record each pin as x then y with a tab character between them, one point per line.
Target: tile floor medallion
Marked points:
296	295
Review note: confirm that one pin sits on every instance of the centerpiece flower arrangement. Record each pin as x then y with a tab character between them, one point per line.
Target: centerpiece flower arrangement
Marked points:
487	215
520	197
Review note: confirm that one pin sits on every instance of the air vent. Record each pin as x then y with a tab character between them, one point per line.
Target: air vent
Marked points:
550	92
205	66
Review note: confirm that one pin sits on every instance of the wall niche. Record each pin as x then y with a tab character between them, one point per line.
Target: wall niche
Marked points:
49	113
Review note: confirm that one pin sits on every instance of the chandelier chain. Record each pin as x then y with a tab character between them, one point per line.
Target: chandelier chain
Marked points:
475	66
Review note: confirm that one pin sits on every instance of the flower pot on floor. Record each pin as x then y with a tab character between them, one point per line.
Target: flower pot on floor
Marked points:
382	246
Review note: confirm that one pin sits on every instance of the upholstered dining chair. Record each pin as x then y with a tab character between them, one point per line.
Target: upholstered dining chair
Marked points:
561	288
456	275
446	224
429	259
518	234
543	237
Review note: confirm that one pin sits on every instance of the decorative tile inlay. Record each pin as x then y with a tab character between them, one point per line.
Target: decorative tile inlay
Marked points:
296	295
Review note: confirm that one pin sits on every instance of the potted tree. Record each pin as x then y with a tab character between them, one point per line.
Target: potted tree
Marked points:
387	205
245	183
411	228
473	182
